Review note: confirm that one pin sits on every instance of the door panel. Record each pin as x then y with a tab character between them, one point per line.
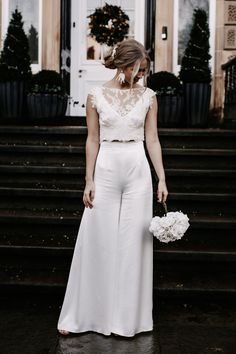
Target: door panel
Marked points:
87	69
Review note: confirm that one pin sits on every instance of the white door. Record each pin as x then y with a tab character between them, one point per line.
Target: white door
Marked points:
86	66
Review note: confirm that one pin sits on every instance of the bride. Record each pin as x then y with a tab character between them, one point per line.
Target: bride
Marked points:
111	277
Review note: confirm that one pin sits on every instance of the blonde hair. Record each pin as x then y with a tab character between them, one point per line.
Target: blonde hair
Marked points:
127	53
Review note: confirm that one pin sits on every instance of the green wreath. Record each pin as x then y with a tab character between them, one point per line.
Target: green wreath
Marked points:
109	24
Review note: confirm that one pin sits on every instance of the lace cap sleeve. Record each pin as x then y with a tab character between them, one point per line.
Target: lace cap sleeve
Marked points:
94	96
150	95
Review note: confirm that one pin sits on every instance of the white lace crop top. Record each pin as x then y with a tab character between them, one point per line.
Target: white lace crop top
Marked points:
122	112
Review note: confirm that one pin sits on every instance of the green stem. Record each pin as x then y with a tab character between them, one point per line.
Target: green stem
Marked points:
165	207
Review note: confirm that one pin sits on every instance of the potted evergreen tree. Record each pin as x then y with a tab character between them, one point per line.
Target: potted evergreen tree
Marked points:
195	72
169	93
46	99
15	70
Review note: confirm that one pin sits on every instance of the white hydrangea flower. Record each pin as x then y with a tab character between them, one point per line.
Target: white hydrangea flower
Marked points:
170	227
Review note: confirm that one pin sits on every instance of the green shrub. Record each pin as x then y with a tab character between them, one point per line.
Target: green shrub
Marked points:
165	83
48	82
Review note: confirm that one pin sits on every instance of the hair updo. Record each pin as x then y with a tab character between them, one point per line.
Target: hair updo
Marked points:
127	53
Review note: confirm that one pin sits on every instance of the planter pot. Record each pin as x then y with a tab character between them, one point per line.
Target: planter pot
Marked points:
12	94
196	104
46	107
170	109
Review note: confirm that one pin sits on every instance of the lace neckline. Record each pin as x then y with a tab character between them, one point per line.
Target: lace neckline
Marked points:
122	101
123	89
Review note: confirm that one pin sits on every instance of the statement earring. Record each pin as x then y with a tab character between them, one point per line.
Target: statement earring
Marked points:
121	77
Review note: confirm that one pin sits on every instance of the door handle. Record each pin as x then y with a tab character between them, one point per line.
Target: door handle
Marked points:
81	71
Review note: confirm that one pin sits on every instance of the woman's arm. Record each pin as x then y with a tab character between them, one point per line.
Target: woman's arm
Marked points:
92	147
154	150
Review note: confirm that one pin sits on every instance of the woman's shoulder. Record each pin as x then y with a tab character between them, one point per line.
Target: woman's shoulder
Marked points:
150	92
94	90
146	90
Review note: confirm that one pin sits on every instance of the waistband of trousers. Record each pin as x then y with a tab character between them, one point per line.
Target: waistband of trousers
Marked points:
121	144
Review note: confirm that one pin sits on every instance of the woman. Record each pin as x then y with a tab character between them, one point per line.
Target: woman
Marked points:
110	283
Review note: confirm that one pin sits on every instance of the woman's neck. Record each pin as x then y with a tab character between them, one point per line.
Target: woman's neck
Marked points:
114	83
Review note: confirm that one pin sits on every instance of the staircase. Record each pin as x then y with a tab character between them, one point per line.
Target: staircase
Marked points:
41	183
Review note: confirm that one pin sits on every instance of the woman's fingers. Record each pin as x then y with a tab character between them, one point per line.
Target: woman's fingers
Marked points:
159	196
88	199
162	195
165	194
92	195
162	192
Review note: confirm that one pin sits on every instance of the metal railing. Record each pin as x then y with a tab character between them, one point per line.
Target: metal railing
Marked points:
230	92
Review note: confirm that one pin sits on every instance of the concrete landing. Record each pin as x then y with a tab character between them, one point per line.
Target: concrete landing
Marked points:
28	326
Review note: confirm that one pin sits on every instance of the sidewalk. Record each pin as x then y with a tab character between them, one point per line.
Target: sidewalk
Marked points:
29	327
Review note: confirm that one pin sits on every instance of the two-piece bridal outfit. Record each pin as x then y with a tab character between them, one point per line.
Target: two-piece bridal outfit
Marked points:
110	283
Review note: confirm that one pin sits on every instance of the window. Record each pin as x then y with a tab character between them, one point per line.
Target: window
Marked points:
31	11
183	13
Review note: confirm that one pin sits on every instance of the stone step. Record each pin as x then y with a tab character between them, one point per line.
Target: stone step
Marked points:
21	216
49	149
202	239
39	192
75	135
61	206
193	255
71	201
167	282
42	181
180	172
23	233
42	169
222	240
172	291
178	180
197	181
81	170
73	158
43	135
42	159
30	254
197	138
77	194
207	285
70	149
58	229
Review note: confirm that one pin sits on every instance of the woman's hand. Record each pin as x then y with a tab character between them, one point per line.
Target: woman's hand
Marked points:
89	192
162	192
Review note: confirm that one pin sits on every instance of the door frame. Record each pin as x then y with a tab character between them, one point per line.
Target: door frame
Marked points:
79	65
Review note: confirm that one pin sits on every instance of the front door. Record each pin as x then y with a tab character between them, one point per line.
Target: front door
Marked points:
86	54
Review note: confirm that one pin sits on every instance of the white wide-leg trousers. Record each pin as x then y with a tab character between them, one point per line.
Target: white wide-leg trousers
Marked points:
110	283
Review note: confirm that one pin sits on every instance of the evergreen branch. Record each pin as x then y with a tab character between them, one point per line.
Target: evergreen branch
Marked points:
14	37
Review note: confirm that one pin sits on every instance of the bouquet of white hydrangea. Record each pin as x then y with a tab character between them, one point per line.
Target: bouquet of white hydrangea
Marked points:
170	227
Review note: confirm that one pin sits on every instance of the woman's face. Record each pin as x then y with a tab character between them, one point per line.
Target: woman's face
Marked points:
142	71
